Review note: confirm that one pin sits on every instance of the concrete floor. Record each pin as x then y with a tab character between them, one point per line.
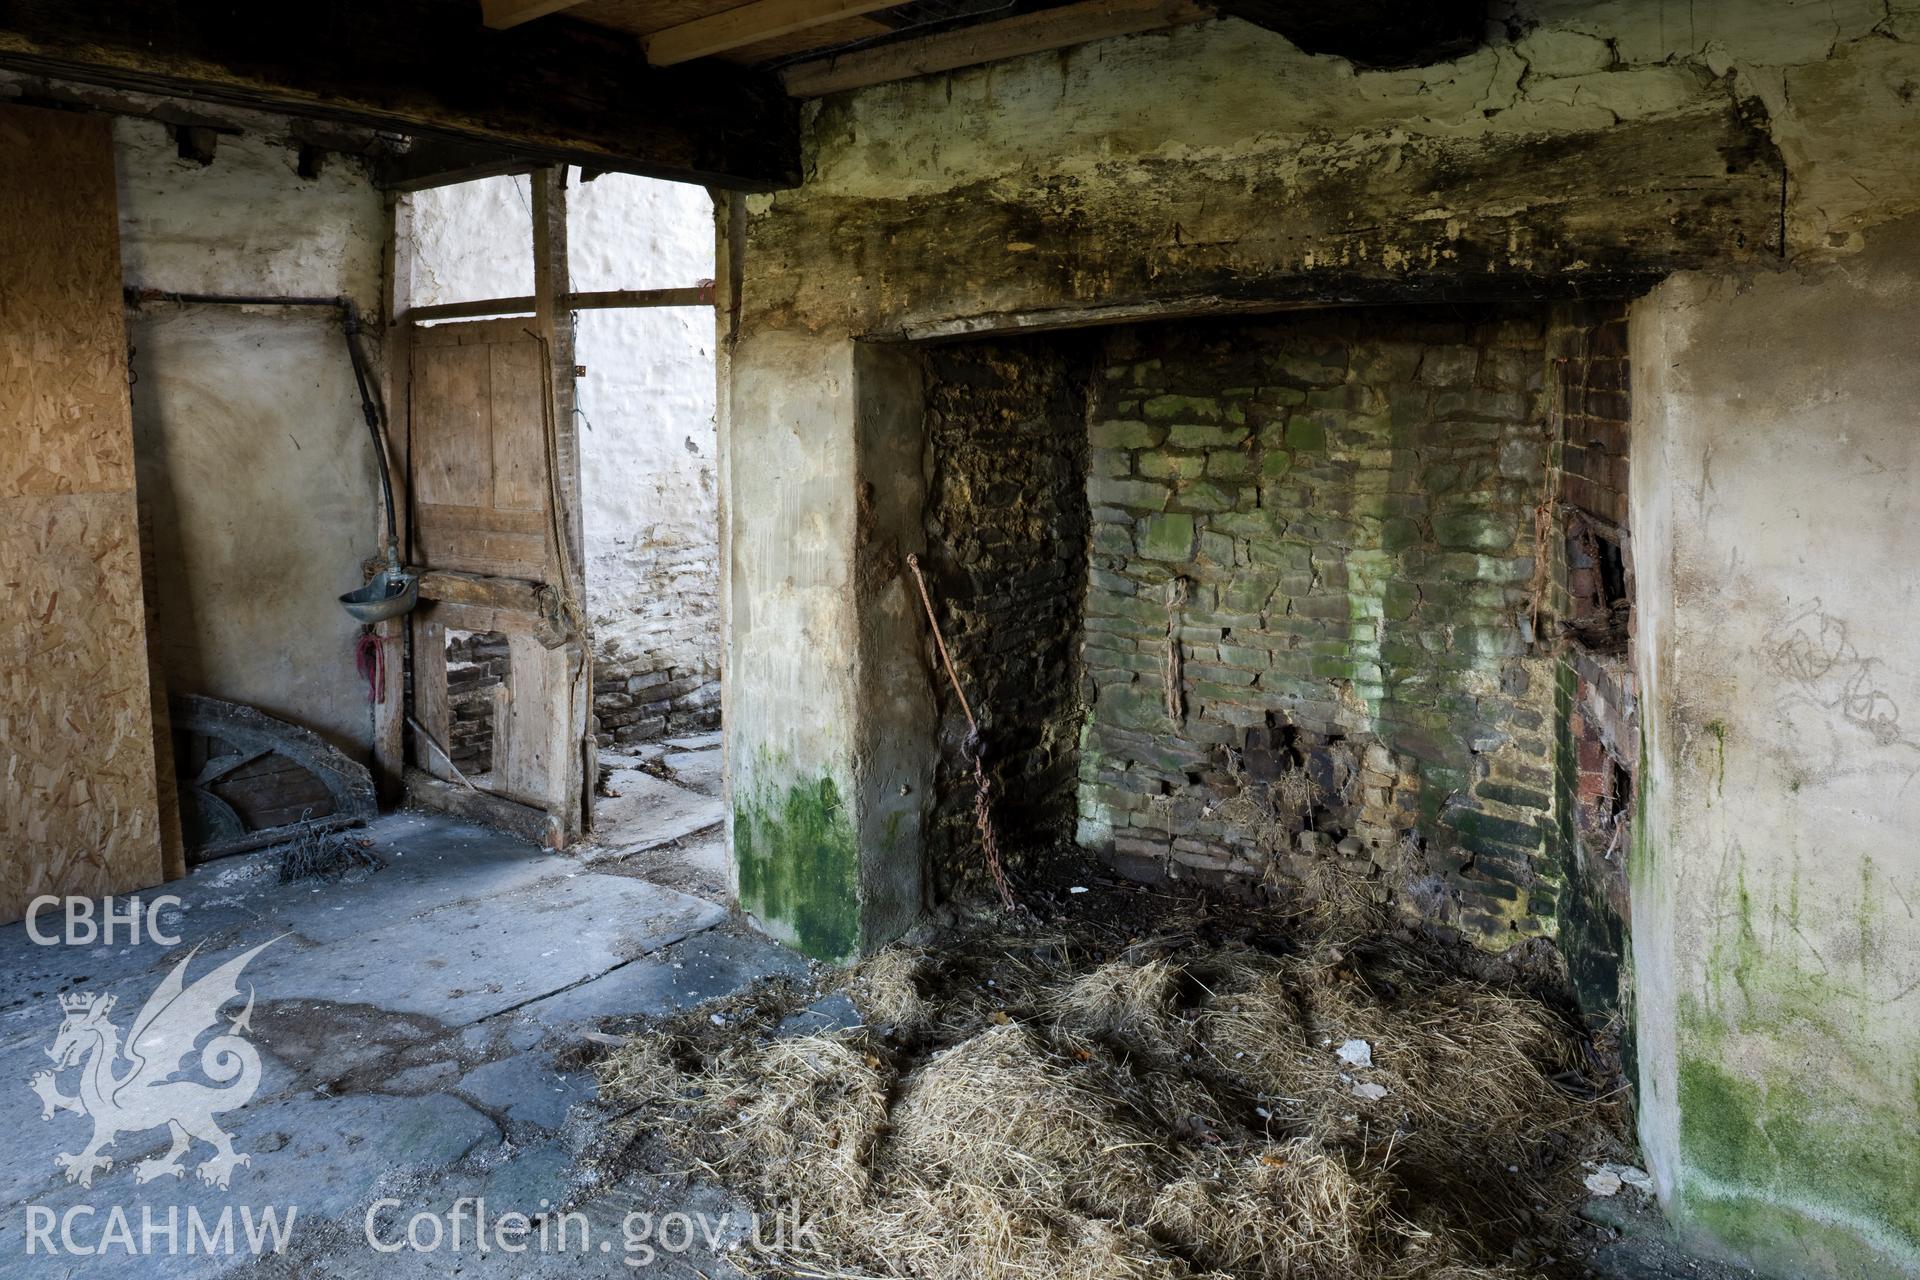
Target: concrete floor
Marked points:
413	1026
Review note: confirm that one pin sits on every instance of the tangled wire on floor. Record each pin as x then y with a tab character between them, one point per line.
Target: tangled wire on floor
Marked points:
1218	1099
319	854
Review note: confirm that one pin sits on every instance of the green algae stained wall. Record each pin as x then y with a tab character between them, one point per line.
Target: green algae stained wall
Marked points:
1333	513
799	868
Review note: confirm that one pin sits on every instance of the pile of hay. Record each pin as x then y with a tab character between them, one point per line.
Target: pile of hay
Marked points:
1048	1101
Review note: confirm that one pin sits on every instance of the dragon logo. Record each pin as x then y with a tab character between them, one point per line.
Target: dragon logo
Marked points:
138	1087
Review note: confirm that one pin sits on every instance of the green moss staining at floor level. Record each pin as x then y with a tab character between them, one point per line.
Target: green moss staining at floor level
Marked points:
799	866
1802	1179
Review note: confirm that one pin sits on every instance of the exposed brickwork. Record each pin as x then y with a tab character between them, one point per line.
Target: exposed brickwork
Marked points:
628	706
1333	515
1603	724
1597	698
1006	560
654	597
1589	345
1595	790
476	667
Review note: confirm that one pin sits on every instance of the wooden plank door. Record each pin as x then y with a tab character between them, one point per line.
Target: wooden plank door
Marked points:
80	809
481	489
483	498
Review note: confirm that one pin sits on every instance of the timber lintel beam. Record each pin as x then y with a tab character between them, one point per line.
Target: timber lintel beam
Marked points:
552	92
439	164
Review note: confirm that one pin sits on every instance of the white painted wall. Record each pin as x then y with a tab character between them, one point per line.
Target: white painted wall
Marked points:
647	455
255	469
248	222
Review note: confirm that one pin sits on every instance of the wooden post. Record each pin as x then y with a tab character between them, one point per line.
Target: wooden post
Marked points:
570	697
390	712
431	706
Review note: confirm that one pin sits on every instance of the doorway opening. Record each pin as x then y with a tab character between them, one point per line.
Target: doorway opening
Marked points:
639	326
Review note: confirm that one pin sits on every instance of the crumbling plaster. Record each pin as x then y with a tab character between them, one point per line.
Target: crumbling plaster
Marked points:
1589	150
256	473
1216	160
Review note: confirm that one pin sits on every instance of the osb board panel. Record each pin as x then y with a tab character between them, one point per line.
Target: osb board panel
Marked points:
63	343
479	449
173	848
76	721
81	812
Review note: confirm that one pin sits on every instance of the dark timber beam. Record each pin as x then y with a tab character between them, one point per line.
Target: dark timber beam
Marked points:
556	91
438	164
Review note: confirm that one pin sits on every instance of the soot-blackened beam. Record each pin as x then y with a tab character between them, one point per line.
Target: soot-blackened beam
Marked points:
555	91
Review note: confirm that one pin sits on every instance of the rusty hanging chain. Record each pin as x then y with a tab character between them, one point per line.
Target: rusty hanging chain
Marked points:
982	786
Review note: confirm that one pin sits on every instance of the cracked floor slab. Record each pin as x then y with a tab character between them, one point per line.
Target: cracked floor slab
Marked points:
639	809
418	1029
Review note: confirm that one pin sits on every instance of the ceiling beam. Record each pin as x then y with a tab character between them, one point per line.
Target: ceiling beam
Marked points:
988	42
442	164
555	92
750	24
346	139
501	14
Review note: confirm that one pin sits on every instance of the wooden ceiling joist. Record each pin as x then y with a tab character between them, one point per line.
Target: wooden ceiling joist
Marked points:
750	24
501	14
559	92
988	42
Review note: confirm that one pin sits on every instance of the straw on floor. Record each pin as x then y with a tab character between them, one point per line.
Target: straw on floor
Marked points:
1050	1100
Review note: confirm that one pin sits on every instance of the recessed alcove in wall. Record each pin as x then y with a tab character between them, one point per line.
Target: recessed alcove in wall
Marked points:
1266	601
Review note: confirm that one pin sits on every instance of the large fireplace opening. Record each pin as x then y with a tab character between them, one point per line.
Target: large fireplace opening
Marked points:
1276	603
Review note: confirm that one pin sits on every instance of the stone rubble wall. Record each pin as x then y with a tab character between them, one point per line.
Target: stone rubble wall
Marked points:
1006	560
1333	517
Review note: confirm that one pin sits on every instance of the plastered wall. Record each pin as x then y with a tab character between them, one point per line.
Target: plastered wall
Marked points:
1775	879
648	470
255	468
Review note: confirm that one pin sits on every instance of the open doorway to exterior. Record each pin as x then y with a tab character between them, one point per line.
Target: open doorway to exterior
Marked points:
639	264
